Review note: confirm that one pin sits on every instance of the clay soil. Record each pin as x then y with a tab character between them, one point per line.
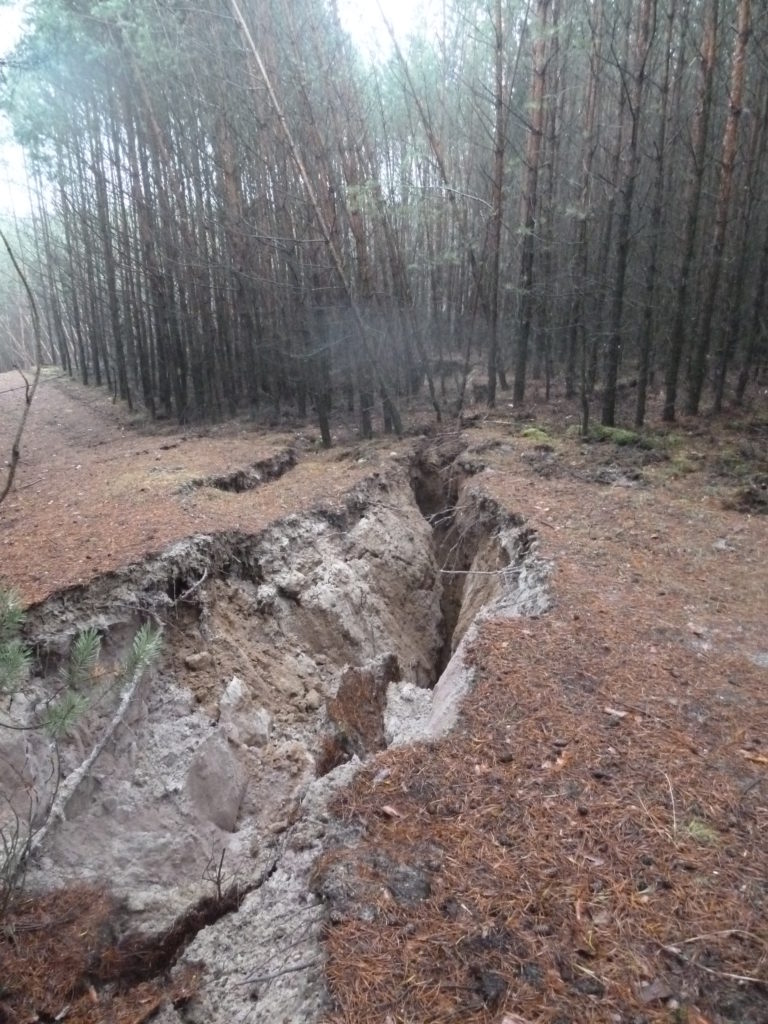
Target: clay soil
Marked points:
589	843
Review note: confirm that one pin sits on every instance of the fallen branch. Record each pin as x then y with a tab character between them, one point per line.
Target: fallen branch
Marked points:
508	570
72	783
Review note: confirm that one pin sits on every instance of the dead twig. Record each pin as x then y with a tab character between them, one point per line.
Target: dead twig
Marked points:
674	811
724	933
747	979
67	789
193	588
507	570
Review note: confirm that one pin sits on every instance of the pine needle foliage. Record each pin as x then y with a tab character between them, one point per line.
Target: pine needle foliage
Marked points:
83	659
15	658
15	662
11	616
144	650
61	713
64	711
60	717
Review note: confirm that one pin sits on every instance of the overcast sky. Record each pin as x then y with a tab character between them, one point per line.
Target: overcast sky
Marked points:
13	192
362	19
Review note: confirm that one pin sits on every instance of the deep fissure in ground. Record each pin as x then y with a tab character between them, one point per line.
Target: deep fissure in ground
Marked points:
436	479
282	650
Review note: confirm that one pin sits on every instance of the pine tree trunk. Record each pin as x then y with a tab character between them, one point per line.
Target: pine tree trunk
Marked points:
497	202
529	199
646	30
645	341
693	202
728	160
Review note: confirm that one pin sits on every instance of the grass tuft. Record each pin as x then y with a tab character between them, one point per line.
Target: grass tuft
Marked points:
701	832
535	434
620	436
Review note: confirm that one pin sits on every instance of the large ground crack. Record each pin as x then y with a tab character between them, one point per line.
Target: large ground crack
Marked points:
477	543
287	653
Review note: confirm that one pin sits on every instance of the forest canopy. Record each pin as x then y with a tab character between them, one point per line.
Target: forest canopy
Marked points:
234	211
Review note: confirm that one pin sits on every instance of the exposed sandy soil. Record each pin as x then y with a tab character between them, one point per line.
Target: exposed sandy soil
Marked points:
592	836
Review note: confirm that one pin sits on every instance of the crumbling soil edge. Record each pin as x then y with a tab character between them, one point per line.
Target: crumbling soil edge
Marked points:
152	587
249	478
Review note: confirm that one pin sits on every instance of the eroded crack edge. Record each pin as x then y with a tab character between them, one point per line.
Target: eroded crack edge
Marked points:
247	478
153	587
139	956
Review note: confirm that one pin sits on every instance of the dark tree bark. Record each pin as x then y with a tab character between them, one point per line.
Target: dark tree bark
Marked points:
728	160
656	227
497	200
700	133
529	198
635	92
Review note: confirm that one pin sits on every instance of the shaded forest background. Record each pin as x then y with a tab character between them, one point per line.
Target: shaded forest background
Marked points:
233	211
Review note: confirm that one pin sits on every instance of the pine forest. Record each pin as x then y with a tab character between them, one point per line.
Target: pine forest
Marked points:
234	211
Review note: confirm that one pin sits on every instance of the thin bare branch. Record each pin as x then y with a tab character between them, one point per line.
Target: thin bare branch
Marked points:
30	389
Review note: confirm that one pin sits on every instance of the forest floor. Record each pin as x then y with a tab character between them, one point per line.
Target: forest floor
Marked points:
592	834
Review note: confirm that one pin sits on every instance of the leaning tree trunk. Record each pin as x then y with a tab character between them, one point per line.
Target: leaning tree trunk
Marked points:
325	228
